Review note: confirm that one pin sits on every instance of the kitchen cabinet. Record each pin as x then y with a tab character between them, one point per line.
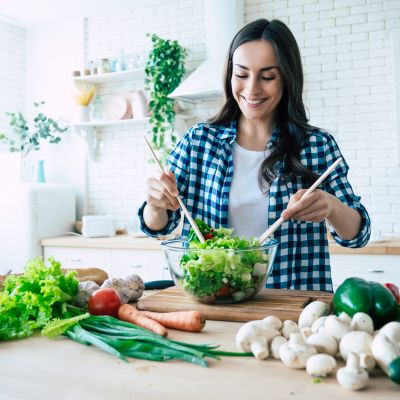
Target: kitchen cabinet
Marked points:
119	256
379	268
148	264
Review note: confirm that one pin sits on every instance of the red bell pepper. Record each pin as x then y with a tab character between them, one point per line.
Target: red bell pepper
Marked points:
395	291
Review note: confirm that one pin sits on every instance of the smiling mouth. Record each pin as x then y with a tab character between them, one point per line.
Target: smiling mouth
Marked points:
253	102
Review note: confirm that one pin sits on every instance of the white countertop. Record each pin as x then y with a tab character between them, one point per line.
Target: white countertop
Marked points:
387	246
40	368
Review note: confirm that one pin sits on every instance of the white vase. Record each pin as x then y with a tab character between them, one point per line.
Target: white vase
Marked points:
83	115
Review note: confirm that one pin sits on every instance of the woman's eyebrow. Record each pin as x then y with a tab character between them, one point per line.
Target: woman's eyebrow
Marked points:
261	69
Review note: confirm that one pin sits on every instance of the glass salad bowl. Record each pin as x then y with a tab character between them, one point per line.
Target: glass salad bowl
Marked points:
219	275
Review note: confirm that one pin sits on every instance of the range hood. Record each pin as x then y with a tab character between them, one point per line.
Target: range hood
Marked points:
223	18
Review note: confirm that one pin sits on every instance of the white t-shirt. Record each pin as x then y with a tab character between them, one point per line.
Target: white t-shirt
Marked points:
248	206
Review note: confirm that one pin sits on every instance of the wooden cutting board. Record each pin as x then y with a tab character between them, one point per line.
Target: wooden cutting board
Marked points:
284	304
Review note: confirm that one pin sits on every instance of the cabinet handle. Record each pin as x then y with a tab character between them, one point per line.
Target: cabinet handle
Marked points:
375	270
76	260
138	266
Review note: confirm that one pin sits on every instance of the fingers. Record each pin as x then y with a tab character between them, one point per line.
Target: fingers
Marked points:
161	192
299	202
314	207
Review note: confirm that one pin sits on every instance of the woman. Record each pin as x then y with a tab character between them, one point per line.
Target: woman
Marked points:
254	160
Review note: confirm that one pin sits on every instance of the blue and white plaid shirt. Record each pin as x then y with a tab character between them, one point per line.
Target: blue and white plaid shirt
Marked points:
203	165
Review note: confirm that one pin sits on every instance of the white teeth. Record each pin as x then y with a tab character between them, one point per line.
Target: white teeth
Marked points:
253	101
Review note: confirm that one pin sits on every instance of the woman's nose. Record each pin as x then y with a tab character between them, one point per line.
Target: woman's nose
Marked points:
252	85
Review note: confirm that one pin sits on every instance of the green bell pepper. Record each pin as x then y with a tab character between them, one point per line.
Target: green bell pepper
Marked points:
358	295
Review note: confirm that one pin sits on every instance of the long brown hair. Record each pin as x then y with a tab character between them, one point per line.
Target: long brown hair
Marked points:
291	116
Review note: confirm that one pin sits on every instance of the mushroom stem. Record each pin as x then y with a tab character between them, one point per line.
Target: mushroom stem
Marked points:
259	348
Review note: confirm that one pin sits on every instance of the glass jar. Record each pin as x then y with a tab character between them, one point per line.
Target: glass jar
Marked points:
104	66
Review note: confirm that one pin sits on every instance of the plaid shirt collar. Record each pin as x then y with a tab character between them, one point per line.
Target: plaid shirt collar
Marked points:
229	133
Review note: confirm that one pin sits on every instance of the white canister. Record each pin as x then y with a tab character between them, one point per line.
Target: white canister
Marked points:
139	105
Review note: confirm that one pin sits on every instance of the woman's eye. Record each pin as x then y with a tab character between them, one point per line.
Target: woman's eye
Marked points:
265	78
241	76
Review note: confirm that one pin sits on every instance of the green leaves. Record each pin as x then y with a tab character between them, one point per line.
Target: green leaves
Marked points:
30	301
164	72
23	140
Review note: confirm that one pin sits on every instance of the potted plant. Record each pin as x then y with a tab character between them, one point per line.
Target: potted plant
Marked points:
22	139
164	71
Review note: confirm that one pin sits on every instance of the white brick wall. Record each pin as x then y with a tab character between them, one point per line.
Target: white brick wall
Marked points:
347	57
12	71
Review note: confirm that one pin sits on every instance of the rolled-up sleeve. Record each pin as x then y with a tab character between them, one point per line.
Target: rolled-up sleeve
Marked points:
338	185
173	221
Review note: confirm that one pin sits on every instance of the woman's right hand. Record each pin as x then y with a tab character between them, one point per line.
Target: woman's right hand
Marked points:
161	192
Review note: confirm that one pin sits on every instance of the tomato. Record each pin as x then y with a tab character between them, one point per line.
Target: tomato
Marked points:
223	291
104	302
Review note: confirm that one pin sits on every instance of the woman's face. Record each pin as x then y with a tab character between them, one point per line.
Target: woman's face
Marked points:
257	84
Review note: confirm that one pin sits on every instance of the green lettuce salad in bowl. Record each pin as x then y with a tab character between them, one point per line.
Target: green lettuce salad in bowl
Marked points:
225	269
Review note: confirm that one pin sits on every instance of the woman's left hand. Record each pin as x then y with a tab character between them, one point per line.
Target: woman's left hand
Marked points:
315	207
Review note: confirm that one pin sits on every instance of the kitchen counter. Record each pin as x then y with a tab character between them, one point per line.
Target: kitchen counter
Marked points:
389	246
40	368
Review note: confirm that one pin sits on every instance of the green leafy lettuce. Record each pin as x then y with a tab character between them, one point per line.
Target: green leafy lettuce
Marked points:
221	271
30	301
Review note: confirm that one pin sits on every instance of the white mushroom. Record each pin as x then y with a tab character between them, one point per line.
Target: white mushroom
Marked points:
276	343
254	336
289	327
385	345
358	342
296	352
338	326
318	323
312	312
273	321
305	332
352	376
324	342
362	322
320	365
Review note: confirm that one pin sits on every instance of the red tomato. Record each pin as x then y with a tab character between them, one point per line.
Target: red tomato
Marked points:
104	302
223	291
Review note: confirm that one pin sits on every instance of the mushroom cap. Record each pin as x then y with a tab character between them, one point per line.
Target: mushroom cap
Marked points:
313	311
362	322
324	342
289	327
318	323
320	365
383	349
251	330
273	321
296	352
338	326
356	342
392	331
276	343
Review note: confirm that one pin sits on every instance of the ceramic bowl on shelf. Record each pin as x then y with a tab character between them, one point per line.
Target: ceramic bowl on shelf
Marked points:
219	276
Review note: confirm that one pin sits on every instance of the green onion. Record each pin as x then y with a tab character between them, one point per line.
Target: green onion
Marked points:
123	339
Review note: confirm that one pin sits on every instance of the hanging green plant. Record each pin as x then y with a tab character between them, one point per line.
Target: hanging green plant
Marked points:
164	71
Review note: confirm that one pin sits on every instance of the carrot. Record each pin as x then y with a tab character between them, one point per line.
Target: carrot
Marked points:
191	321
129	313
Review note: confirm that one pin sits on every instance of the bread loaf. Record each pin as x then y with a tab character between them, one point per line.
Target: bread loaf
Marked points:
89	274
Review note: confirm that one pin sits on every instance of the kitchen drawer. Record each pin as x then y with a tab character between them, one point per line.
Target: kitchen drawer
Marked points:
148	264
80	257
379	268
